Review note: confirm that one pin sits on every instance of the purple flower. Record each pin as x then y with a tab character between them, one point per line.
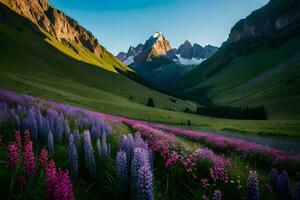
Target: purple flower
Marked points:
89	154
13	155
73	157
140	158
77	139
67	128
253	193
144	183
29	163
50	179
283	185
50	143
217	195
122	171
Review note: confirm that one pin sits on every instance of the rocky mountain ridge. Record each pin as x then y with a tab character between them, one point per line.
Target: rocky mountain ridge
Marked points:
157	45
62	27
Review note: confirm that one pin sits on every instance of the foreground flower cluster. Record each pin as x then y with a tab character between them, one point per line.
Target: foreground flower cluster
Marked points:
134	168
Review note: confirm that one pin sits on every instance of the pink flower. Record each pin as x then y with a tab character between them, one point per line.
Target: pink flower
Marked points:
43	158
27	136
63	187
29	163
13	155
18	141
204	182
50	179
219	174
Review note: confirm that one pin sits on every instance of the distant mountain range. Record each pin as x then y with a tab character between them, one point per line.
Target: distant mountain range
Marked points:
158	46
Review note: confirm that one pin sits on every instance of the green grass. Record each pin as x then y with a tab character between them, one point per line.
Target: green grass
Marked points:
28	64
279	92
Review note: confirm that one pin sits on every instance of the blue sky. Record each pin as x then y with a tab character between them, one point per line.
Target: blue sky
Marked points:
120	23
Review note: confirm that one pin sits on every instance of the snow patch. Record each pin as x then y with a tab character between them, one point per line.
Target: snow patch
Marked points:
156	35
185	61
129	60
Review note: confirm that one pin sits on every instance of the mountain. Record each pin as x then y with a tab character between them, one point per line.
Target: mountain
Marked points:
259	64
158	46
34	62
128	58
193	55
81	42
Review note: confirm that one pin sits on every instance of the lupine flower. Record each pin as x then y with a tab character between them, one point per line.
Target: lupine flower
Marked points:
50	179
297	191
73	157
67	128
32	125
13	155
273	176
98	147
144	183
50	143
104	148
89	154
140	158
77	138
26	136
22	182
43	158
29	163
253	193
219	174
122	170
18	141
217	195
283	185
63	186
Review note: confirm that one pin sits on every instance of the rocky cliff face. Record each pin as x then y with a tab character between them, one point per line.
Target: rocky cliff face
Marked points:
155	46
55	22
276	15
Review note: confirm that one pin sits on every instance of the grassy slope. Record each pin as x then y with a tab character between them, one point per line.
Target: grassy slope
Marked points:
279	93
30	65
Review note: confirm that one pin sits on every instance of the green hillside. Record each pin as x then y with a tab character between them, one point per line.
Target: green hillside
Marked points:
263	69
29	64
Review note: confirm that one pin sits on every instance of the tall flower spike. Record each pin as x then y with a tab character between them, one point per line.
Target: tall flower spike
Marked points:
18	141
50	143
144	183
73	157
283	185
98	147
77	138
89	154
217	195
13	155
253	193
43	158
63	186
29	163
140	158
104	147
122	171
27	136
50	179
